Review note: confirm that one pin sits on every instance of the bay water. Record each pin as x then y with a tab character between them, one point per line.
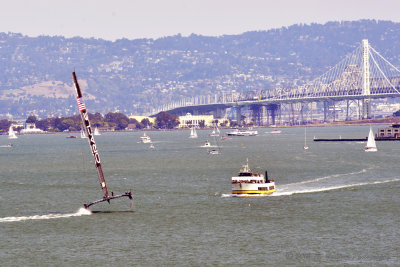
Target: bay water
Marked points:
335	204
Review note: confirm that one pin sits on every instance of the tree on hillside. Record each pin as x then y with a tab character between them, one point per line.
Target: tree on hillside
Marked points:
96	119
146	123
116	119
31	119
45	124
137	124
165	120
224	123
202	124
4	125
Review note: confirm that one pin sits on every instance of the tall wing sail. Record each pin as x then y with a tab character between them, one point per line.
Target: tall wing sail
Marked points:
90	136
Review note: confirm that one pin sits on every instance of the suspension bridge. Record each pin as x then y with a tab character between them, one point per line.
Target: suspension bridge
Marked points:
361	76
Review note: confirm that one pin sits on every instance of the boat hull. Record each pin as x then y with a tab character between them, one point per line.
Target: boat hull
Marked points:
253	189
242	133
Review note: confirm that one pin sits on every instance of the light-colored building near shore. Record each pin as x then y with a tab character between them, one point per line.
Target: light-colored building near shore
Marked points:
190	120
186	121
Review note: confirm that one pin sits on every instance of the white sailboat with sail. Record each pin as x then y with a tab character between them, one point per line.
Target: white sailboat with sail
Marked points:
83	135
371	144
215	131
193	133
94	149
215	151
11	133
96	131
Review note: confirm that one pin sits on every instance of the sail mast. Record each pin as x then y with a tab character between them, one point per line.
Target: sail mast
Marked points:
90	135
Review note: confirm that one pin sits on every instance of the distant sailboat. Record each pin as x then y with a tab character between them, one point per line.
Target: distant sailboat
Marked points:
305	147
96	131
371	145
11	133
216	151
193	133
215	131
83	135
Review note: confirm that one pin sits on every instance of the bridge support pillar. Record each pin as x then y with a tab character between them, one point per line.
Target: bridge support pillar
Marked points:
367	109
325	111
272	110
239	115
219	113
257	114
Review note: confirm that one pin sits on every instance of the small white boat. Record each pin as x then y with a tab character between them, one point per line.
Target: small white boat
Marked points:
247	183
11	133
9	145
193	133
275	131
145	139
96	131
239	132
152	146
213	152
207	144
371	144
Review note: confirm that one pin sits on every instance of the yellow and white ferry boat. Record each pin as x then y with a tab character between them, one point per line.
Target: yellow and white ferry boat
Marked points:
247	183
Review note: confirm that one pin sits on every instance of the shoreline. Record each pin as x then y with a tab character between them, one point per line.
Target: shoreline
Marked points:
383	121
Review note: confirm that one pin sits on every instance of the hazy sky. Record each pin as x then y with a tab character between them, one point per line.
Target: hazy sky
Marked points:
132	19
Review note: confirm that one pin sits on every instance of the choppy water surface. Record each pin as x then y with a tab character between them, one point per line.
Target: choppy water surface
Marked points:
335	204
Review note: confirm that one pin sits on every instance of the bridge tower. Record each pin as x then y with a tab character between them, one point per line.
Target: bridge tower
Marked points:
366	90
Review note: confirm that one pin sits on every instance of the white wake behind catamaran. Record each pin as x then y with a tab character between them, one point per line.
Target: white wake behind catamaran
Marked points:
95	153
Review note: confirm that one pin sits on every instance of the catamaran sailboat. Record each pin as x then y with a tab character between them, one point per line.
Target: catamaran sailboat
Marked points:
193	133
371	144
95	153
11	133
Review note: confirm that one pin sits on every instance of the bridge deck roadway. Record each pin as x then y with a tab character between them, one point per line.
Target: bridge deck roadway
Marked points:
203	108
